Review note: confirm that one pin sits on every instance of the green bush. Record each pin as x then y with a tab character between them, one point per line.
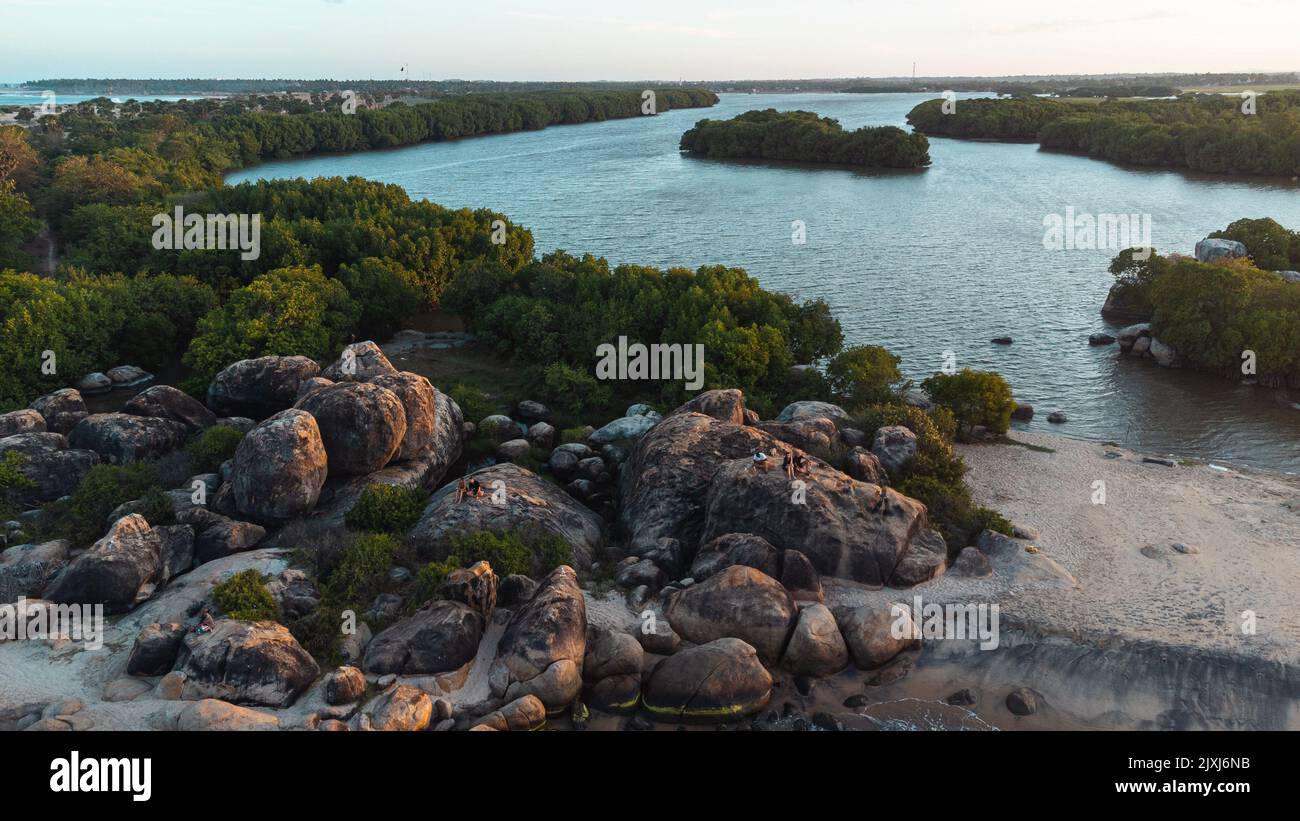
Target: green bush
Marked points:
361	570
385	509
212	447
156	508
244	596
81	518
976	398
934	429
12	478
532	554
475	405
863	375
571	390
427	580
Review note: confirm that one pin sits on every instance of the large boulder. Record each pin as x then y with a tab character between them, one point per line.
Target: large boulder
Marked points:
816	647
26	569
894	446
214	715
48	464
624	429
1211	249
815	434
808	410
522	502
119	438
875	633
359	362
739	602
542	649
735	549
155	649
440	637
280	468
418	399
62	410
719	681
21	421
166	402
114	570
362	425
723	405
246	662
260	387
402	709
846	528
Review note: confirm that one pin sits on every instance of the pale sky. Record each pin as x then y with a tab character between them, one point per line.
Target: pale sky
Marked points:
663	40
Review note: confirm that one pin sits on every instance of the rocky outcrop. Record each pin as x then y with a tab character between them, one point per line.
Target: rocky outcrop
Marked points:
21	421
155	649
866	466
524	713
260	387
815	434
894	446
418	399
816	647
719	681
257	662
1211	249
542	649
166	402
739	602
361	424
402	709
522	502
280	467
214	715
723	405
359	362
115	570
870	635
736	549
625	429
808	410
62	410
26	569
474	587
441	636
119	438
52	468
344	686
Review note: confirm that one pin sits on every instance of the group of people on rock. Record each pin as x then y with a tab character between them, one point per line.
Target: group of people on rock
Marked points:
794	463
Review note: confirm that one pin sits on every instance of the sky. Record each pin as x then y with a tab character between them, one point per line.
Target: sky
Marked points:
575	40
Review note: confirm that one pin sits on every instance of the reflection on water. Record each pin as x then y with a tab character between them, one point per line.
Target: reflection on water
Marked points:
924	262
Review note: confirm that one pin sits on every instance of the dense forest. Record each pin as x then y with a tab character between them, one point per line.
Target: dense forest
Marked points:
802	136
1212	312
1211	133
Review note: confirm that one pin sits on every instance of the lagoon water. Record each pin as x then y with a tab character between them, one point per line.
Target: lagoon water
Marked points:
923	262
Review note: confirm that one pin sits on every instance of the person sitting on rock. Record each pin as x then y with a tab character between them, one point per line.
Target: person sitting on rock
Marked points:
206	622
761	461
461	490
474	488
879	505
788	463
799	463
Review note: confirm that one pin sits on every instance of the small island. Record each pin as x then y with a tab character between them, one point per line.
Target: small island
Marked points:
802	136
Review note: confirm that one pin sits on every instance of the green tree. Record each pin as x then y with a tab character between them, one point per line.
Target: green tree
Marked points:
863	375
974	397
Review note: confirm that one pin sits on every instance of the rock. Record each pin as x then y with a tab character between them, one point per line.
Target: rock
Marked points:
639	409
515	589
1025	532
61	410
1159	460
971	562
260	387
171	686
524	713
636	572
1211	249
719	681
611	653
224	537
280	467
114	570
94	383
245	662
805	434
419	400
221	716
474	586
344	686
240	423
359	362
800	577
798	411
119	438
1023	701
531	411
657	636
126	689
1096	340
625	429
53	470
1163	354
1009	557
1141	346
869	633
618	694
895	446
361	424
402	709
1057	417
128	376
540	435
166	402
309	385
739	602
294	593
964	697
515	450
1001	340
155	649
723	405
667	555
26	569
736	549
440	637
353	648
816	647
865	466
530	504
1290	276
498	428
542	649
21	421
1185	549
1128	337
1023	412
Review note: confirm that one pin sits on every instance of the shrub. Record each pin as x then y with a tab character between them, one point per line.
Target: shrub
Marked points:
212	447
533	554
361	570
81	518
12	478
572	390
989	519
385	509
935	456
974	397
156	508
427	580
574	434
475	405
863	375
244	596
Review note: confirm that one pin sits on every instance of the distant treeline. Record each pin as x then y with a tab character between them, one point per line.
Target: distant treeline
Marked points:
1210	133
802	136
125	87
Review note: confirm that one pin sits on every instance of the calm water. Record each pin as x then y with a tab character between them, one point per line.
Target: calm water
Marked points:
923	262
